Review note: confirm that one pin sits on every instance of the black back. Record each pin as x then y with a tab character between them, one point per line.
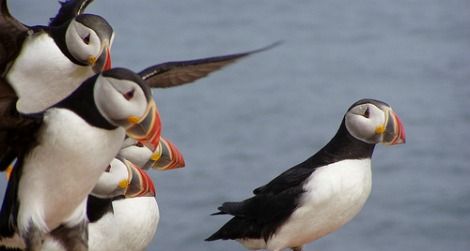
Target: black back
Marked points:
261	215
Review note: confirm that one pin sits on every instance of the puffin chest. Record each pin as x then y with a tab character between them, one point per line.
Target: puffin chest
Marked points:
69	157
334	194
42	75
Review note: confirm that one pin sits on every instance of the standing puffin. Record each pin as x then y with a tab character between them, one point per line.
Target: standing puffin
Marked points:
319	195
73	143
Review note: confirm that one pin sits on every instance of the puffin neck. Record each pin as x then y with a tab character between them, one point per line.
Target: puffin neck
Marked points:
82	102
344	146
58	34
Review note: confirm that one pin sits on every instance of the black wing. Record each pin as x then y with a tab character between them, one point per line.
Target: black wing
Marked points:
20	142
12	34
177	73
259	216
292	177
17	135
68	10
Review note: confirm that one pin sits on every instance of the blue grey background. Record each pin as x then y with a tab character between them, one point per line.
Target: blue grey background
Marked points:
242	126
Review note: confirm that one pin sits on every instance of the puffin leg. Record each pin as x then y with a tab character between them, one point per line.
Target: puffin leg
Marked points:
297	248
34	239
72	238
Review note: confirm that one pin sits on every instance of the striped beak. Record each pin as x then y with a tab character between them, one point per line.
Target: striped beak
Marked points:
107	62
140	183
165	157
103	62
393	131
147	128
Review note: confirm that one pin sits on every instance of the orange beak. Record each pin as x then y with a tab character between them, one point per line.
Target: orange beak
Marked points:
146	128
394	130
141	184
107	63
165	157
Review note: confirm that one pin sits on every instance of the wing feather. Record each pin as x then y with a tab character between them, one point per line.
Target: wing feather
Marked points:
177	73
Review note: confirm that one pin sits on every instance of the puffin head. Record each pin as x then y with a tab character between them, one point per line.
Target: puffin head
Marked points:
88	39
125	100
113	182
373	121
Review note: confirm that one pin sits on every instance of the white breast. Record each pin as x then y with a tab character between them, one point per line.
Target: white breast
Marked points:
131	227
63	168
334	195
42	76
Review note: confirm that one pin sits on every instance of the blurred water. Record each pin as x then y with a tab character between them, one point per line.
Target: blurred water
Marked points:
241	127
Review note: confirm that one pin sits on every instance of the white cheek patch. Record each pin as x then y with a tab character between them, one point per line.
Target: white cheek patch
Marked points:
377	117
111	102
364	128
111	181
75	44
359	126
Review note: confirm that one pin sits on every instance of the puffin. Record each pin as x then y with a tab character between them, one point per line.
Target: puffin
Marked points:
122	209
321	194
44	64
40	65
163	75
128	222
72	145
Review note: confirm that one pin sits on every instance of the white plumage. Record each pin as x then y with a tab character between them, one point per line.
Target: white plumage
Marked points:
42	75
334	195
69	171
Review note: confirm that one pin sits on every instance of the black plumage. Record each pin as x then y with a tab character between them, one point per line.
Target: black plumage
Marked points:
272	204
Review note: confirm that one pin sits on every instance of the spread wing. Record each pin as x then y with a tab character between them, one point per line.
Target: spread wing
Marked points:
177	73
12	34
68	10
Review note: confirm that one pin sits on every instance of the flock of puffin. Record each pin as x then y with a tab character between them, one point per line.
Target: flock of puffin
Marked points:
77	137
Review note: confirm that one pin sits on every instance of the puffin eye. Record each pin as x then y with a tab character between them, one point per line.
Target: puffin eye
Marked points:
128	95
367	113
86	39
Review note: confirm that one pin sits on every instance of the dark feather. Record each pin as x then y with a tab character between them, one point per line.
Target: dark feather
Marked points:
177	73
12	34
21	142
2	248
98	207
259	216
351	148
68	10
